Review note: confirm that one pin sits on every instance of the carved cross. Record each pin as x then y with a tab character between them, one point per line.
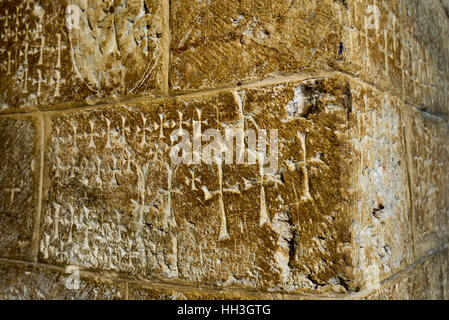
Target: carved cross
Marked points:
92	134
123	130
58	63
162	124
41	51
98	169
9	62
77	135
181	122
115	171
157	152
224	235
127	160
56	81
197	132
13	192
144	129
39	82
304	164
192	180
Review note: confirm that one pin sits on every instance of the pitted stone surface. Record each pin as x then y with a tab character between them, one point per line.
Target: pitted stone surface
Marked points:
19	180
381	225
219	43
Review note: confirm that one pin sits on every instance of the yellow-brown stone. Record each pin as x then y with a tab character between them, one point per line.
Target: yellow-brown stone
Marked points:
428	154
270	149
20	168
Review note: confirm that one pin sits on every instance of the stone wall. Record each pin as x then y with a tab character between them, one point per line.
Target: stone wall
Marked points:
97	95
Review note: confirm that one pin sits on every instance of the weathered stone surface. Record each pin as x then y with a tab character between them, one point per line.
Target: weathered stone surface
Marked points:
216	224
403	51
373	42
152	291
220	43
50	57
23	282
20	164
96	50
380	222
426	280
428	157
398	45
115	200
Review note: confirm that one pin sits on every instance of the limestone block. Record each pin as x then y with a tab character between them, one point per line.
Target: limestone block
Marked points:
22	282
73	52
20	167
428	157
77	52
380	223
400	46
397	45
372	42
332	206
221	43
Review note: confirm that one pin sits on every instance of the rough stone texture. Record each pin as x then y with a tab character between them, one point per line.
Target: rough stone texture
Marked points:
380	224
445	4
26	282
115	201
112	49
428	155
426	82
20	165
92	108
